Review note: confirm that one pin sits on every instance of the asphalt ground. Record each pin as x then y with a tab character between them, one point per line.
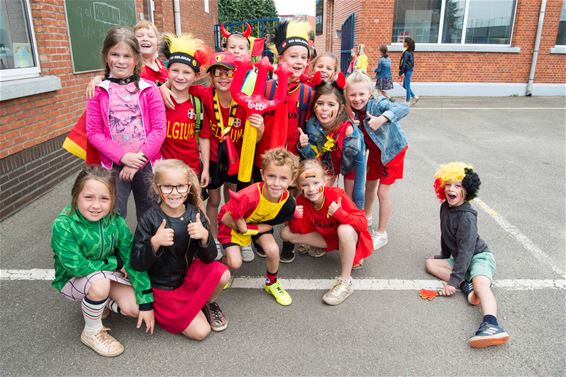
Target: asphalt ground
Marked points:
517	146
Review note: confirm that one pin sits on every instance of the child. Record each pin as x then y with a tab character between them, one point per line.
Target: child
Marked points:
465	261
328	219
291	40
92	250
330	137
227	121
187	133
352	64
406	66
384	80
172	243
152	69
251	214
237	43
361	63
386	142
325	63
125	120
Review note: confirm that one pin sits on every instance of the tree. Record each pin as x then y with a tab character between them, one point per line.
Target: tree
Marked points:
244	10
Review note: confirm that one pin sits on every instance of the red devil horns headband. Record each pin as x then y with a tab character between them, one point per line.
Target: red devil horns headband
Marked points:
246	33
339	83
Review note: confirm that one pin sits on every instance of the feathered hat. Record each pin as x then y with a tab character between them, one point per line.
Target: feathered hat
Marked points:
185	49
292	33
454	172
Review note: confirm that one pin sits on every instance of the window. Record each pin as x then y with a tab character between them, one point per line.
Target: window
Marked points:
561	38
487	22
18	54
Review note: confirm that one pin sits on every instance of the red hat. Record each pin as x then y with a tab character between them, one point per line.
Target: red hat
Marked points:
225	59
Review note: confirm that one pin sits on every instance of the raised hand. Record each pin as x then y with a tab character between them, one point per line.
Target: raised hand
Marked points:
163	236
334	206
303	138
196	230
376	122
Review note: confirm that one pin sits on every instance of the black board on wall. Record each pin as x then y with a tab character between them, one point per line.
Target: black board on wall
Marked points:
87	23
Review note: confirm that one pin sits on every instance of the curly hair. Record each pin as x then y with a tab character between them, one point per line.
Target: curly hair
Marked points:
281	157
457	172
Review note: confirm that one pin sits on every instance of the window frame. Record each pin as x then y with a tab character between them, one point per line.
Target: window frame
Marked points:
559	49
462	46
30	72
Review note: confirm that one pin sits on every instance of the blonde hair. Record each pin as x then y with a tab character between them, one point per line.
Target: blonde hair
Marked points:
96	173
162	166
281	157
325	55
361	49
148	25
358	77
311	164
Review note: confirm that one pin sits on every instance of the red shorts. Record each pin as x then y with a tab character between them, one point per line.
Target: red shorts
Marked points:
175	309
387	174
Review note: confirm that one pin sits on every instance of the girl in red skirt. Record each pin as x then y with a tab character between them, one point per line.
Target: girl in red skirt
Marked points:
328	219
173	244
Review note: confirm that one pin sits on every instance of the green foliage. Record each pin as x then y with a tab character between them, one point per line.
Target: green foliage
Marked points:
243	10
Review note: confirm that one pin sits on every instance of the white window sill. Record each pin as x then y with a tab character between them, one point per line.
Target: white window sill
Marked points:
28	87
558	50
457	48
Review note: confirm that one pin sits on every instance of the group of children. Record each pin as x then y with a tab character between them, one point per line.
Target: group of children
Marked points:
173	142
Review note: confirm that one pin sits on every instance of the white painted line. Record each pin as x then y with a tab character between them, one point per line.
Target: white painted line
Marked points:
249	282
511	229
487	108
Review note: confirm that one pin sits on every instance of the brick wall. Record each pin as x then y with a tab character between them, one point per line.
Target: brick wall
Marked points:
374	26
34	127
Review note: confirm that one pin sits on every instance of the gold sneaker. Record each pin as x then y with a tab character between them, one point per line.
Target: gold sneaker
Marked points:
102	343
339	292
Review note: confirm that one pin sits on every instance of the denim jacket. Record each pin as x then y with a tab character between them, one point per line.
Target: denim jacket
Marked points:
389	138
383	69
353	155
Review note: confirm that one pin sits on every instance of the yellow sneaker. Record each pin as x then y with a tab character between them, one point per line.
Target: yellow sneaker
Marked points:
280	295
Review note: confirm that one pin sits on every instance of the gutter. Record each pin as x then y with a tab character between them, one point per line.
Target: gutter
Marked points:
177	13
537	46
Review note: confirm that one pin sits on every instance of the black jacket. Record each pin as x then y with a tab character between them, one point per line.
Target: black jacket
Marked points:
168	266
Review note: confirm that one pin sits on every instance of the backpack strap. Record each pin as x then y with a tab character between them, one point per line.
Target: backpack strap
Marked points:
270	89
305	95
199	115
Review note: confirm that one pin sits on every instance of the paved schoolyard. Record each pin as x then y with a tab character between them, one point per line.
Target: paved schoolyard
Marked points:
516	145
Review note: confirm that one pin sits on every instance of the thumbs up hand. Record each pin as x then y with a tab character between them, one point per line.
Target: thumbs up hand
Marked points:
334	206
163	236
303	138
196	230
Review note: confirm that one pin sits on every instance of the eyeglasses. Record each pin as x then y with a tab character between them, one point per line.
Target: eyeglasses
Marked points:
217	72
168	189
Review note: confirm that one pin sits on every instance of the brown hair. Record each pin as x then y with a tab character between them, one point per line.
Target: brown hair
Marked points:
121	34
325	55
98	174
194	197
281	157
383	49
325	89
311	164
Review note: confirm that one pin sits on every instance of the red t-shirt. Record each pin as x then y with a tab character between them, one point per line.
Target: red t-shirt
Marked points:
180	139
327	226
150	75
206	94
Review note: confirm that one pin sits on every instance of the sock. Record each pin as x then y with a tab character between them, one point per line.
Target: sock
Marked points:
92	314
490	319
113	305
270	278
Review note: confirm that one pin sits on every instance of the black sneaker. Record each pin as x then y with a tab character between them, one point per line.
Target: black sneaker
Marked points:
287	253
468	291
259	251
488	335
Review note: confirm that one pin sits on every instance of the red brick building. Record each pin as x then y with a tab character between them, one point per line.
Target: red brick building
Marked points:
463	47
41	94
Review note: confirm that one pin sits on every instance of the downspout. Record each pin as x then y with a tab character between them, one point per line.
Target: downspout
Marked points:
177	13
537	45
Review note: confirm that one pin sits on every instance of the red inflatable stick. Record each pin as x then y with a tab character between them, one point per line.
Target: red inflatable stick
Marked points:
255	104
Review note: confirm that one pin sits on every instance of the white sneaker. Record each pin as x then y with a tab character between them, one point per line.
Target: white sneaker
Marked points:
218	250
247	253
379	240
102	343
414	100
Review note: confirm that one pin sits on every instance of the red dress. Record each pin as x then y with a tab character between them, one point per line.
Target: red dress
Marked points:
319	221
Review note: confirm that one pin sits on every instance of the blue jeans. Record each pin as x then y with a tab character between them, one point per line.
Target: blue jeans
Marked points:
141	187
358	194
407	85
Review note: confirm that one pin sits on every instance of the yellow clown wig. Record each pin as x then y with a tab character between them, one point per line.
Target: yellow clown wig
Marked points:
457	172
185	49
293	32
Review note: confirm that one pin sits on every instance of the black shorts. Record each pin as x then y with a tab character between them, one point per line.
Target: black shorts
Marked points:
217	179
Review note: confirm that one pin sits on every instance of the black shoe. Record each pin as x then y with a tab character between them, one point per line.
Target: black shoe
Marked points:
468	291
259	251
287	253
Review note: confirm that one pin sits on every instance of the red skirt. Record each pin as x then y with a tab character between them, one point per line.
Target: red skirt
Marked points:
175	309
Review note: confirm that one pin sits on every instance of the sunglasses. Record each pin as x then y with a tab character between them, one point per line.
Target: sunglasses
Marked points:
218	72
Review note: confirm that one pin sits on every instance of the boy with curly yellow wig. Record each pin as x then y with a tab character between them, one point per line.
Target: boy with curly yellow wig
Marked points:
465	261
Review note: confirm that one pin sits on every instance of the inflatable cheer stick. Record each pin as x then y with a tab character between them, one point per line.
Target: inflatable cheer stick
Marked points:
255	104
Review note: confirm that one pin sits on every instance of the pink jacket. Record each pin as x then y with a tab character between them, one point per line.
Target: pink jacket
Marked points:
153	118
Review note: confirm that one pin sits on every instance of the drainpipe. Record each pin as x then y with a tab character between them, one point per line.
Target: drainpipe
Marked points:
177	12
537	45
